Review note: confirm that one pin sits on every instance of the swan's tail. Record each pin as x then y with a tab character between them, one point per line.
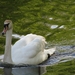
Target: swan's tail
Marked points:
50	51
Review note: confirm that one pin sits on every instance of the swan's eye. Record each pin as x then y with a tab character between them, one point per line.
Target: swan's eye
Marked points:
6	25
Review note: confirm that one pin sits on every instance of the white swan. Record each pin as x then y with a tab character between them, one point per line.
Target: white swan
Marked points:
28	50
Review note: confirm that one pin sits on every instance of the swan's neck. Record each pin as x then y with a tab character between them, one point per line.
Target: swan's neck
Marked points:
7	54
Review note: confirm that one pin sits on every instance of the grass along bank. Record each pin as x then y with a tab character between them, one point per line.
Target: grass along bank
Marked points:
66	68
31	16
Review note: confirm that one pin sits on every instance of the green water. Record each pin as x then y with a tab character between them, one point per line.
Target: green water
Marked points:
33	16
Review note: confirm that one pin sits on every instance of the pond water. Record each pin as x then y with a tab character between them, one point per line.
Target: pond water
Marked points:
62	54
23	71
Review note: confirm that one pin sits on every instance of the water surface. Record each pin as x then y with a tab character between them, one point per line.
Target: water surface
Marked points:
62	54
23	71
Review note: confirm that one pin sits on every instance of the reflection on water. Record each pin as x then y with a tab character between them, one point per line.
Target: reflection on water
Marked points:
23	71
28	71
7	71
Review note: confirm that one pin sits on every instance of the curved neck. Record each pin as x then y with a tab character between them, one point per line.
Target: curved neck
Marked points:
7	53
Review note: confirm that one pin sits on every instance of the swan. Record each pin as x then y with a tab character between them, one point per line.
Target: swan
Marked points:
27	50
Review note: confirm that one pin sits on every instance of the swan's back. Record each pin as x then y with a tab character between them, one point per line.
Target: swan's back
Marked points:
26	40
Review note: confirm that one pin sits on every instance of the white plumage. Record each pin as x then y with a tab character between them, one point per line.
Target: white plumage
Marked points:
28	50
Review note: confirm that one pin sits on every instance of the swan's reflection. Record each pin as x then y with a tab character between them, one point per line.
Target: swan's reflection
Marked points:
25	71
7	71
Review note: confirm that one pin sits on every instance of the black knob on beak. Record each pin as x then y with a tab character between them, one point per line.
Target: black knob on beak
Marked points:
3	33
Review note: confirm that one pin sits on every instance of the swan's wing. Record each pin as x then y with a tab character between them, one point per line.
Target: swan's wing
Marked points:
34	47
26	40
30	50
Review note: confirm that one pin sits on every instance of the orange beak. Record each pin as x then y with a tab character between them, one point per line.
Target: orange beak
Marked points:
4	30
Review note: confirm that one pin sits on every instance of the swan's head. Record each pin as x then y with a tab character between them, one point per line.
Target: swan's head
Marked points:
7	26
